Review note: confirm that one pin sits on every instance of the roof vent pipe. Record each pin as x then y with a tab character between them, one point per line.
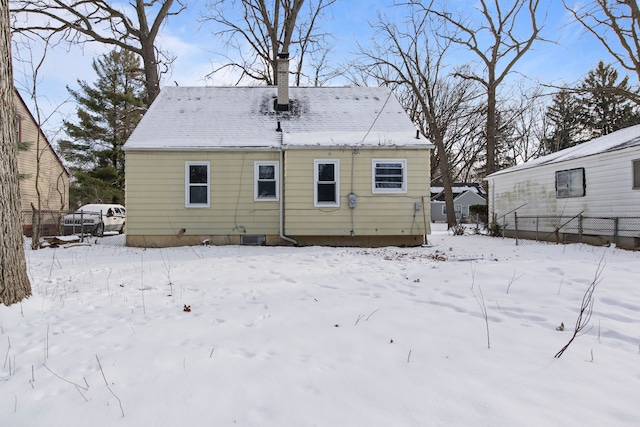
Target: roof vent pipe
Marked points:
283	82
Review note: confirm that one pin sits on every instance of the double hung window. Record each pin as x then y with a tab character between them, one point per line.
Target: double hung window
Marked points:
266	181
326	183
197	183
636	174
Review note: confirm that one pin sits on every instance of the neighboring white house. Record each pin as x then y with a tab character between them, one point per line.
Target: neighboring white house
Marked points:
584	190
265	165
464	195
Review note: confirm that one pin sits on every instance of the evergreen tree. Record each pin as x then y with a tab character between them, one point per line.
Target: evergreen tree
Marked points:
604	108
108	112
563	116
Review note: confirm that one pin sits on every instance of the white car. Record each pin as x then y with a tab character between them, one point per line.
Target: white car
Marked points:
95	219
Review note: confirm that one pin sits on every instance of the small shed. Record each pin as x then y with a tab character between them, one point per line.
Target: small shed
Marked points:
588	192
341	166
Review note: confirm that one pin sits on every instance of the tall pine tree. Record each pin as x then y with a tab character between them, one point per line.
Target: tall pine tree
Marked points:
596	107
603	107
108	112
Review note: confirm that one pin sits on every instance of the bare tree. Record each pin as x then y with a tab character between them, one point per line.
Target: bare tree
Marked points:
616	24
526	113
258	30
498	37
413	63
80	21
14	281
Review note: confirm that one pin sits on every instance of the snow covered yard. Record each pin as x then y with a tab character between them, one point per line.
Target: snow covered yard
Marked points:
322	336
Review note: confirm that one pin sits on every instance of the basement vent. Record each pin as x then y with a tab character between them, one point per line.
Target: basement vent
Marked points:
252	240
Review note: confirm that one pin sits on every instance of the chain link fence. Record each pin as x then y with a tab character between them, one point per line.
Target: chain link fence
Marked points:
624	232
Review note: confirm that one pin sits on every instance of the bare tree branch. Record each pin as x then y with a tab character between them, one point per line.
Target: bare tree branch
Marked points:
495	39
80	21
257	30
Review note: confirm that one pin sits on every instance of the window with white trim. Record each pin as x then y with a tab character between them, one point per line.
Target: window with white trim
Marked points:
389	176
326	183
570	183
457	208
266	179
636	174
197	184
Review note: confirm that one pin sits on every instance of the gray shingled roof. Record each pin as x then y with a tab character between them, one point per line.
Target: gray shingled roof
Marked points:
619	140
205	118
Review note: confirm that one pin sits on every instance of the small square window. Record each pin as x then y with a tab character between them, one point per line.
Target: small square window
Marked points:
326	183
636	174
197	184
266	180
389	176
570	183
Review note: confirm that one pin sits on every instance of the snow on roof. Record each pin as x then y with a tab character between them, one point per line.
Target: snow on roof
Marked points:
619	140
437	190
192	118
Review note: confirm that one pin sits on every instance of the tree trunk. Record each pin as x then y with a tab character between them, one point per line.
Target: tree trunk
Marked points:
491	129
14	281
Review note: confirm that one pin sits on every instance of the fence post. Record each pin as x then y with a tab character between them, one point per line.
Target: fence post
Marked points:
537	226
515	219
615	230
580	229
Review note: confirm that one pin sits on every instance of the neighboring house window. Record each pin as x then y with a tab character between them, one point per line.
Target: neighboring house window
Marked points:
636	174
458	209
197	184
326	183
266	181
570	183
389	176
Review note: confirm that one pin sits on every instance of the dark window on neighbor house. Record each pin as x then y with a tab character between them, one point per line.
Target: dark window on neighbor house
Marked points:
326	183
636	174
197	184
570	183
266	181
389	176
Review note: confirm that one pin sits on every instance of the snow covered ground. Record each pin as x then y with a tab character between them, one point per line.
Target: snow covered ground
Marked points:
319	336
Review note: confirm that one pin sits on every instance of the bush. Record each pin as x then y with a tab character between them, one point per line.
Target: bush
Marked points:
480	211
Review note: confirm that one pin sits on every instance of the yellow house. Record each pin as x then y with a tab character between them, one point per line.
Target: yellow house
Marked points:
341	166
44	180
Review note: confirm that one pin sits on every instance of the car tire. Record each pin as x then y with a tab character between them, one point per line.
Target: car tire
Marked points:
99	232
122	229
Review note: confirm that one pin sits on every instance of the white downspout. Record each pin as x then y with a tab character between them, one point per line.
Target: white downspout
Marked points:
282	236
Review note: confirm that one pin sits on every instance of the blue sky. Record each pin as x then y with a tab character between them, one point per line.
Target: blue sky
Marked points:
567	59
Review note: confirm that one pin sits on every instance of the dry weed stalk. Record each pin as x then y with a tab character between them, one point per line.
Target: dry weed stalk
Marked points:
586	309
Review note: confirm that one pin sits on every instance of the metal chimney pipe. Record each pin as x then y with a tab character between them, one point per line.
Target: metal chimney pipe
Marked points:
283	82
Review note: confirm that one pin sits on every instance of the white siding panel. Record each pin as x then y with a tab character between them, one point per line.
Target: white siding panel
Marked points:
608	180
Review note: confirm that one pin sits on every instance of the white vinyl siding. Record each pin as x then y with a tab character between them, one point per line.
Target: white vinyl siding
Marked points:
326	183
389	176
266	185
197	184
